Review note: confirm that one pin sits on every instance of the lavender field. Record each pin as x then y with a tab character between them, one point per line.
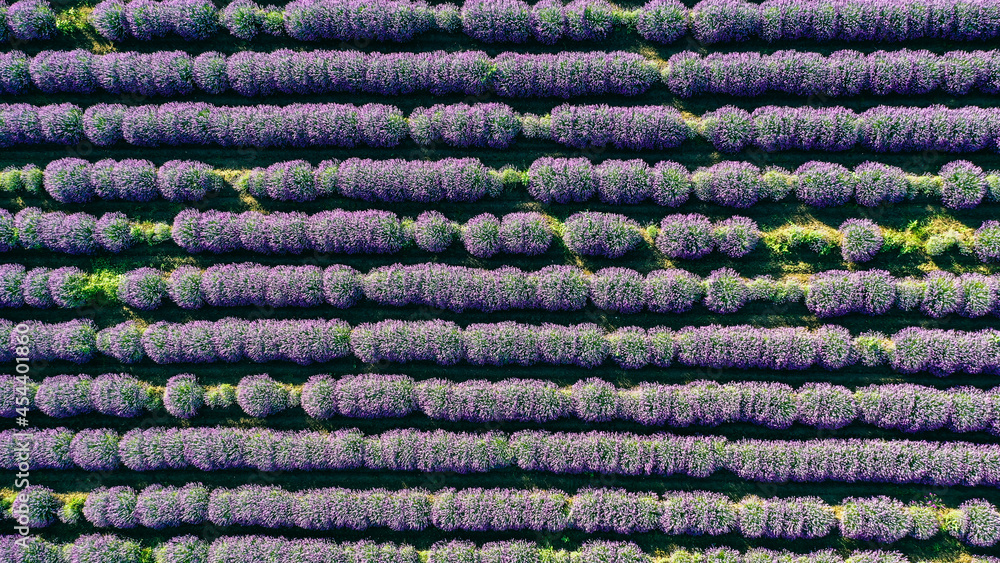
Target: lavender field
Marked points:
407	281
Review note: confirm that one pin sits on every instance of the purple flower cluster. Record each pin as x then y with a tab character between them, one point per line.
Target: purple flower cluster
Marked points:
569	74
248	73
493	125
489	125
861	240
259	395
219	448
986	243
904	407
75	233
352	20
142	289
881	129
344	232
723	21
230	340
73	341
450	287
437	341
694	236
269	549
613	510
632	127
941	352
183	396
294	125
841	73
24	124
395	180
838	292
145	20
28	20
601	234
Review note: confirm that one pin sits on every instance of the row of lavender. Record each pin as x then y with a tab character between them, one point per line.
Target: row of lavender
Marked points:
612	453
248	73
509	74
610	235
268	549
516	21
457	288
307	341
880	519
496	125
905	407
958	185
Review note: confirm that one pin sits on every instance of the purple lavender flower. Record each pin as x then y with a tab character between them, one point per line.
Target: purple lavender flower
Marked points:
671	185
108	18
341	286
183	285
618	289
95	450
662	21
724	21
40	506
9	234
729	129
122	342
943	294
397	341
63	71
490	125
588	20
373	396
634	127
987	242
736	236
601	234
685	236
260	396
11	281
963	185
876	183
15	76
183	396
186	180
497	21
433	232
725	291
732	184
209	71
64	287
561	180
30	20
861	240
525	233
629	347
559	288
63	396
128	180
823	184
102	123
142	288
672	291
481	236
113	232
119	394
880	519
623	182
